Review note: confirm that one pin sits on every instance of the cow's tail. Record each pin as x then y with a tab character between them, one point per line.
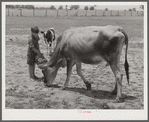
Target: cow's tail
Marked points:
126	62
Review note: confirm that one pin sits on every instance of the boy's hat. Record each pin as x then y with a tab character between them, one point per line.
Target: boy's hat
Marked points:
34	29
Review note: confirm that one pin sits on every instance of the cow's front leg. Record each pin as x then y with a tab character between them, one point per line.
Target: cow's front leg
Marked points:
115	89
70	64
78	66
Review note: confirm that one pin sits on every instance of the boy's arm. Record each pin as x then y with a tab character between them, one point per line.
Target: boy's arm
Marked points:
39	48
31	44
36	51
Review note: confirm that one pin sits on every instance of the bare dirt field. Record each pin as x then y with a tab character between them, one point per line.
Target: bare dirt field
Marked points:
23	93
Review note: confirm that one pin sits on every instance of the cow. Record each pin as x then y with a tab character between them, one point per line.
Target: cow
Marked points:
49	37
89	45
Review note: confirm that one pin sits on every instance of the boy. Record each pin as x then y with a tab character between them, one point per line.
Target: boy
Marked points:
33	51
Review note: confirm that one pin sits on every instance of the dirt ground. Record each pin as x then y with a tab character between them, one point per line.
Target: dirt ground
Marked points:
23	93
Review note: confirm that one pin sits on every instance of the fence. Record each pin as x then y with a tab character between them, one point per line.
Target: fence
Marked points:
79	12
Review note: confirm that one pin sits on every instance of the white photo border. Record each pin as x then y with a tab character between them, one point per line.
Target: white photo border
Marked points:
53	114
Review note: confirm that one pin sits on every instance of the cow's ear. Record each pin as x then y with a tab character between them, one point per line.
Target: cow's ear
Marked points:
54	37
41	31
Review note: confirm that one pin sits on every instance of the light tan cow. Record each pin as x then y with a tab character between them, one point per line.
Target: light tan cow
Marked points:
89	45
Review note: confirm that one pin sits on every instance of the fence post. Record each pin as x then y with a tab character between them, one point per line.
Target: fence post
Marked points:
46	12
67	12
95	13
20	12
137	12
77	13
142	13
33	12
118	13
111	13
86	13
103	14
8	11
131	13
57	12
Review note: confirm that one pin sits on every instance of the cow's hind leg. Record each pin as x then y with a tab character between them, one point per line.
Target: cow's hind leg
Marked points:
78	66
115	88
114	64
118	78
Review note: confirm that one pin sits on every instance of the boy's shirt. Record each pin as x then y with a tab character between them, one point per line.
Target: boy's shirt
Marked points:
32	42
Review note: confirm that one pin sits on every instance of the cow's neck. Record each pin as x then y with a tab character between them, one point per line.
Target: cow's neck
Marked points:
58	65
54	58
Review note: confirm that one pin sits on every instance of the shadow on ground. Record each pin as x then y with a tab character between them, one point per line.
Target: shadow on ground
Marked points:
99	94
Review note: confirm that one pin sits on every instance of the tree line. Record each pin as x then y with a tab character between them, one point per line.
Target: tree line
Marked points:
52	7
20	6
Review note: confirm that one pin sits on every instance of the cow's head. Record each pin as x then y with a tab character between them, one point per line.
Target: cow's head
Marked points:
49	35
51	72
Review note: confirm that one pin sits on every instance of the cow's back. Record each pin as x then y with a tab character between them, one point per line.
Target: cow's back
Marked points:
88	43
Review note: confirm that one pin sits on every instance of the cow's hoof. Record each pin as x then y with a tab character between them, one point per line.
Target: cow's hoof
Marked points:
114	92
47	85
117	99
120	100
88	86
44	81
